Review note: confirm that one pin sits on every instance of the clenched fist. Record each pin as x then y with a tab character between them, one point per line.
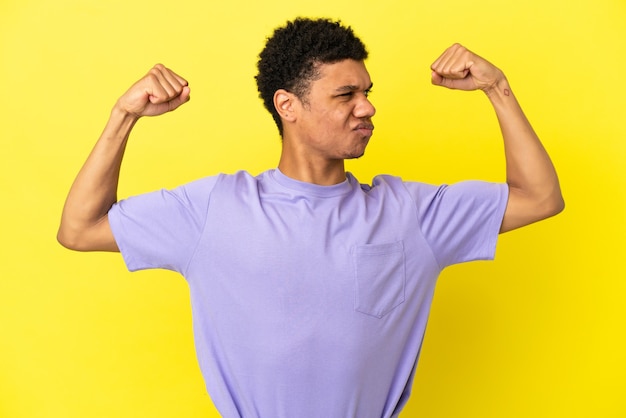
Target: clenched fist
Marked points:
158	92
459	68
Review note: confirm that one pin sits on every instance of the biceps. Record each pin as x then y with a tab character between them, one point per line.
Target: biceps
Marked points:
102	238
96	237
523	209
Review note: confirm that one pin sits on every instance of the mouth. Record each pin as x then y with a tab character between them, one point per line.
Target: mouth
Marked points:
364	129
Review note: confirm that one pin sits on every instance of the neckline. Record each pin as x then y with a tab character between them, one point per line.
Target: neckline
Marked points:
313	189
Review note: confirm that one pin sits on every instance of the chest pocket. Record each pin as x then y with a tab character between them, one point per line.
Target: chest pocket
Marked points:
379	277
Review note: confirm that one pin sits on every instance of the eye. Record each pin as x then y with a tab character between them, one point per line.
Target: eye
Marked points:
367	93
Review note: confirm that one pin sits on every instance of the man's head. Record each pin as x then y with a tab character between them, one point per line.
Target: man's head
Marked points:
292	55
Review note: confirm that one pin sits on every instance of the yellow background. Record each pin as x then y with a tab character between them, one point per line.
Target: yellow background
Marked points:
539	332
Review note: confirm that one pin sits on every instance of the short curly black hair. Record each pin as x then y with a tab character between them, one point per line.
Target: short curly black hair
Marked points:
292	55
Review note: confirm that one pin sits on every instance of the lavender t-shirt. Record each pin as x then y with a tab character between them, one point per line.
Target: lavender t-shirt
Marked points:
308	300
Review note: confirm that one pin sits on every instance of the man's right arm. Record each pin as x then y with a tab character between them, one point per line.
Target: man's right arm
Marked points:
84	222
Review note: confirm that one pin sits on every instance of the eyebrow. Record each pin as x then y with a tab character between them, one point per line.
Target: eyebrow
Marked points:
352	88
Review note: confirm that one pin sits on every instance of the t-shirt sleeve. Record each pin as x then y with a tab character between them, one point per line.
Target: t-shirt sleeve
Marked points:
461	222
161	229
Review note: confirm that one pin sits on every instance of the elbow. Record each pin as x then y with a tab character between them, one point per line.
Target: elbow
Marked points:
552	205
524	209
557	202
82	237
67	239
559	205
72	238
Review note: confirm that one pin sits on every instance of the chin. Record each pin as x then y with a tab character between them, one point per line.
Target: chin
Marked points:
357	152
354	156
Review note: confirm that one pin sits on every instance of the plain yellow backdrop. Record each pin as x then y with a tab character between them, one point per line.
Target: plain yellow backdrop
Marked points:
539	332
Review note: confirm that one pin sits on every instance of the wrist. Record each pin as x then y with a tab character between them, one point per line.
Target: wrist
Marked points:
499	90
120	123
120	112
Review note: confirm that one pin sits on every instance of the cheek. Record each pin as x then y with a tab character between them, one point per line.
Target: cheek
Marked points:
330	121
327	120
341	116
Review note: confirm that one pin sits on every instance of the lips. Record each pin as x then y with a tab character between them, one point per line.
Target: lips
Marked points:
365	128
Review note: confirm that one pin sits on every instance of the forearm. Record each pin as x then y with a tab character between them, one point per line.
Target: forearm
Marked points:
530	174
84	222
94	190
534	191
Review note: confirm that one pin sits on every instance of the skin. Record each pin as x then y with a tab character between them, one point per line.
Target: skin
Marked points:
333	123
534	190
84	221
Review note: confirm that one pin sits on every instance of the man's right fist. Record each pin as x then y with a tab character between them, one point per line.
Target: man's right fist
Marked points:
158	92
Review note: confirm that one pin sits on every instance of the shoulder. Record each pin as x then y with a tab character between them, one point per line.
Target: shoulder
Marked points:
207	184
240	180
386	183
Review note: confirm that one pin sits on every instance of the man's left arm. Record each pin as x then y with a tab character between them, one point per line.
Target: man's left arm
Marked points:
534	191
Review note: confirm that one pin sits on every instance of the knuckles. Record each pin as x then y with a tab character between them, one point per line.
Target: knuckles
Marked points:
164	79
158	68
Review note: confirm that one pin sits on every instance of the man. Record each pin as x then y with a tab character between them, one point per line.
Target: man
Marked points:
310	291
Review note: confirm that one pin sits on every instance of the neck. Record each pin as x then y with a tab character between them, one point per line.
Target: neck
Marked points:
321	172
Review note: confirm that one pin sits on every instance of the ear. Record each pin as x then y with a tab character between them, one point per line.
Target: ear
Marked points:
284	102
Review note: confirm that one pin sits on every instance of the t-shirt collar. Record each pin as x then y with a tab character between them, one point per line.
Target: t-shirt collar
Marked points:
313	189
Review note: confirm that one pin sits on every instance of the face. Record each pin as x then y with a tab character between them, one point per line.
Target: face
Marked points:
335	119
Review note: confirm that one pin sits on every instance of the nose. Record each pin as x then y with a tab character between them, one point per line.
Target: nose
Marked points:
364	108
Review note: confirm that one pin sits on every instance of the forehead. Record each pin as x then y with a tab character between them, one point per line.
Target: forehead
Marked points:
343	73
